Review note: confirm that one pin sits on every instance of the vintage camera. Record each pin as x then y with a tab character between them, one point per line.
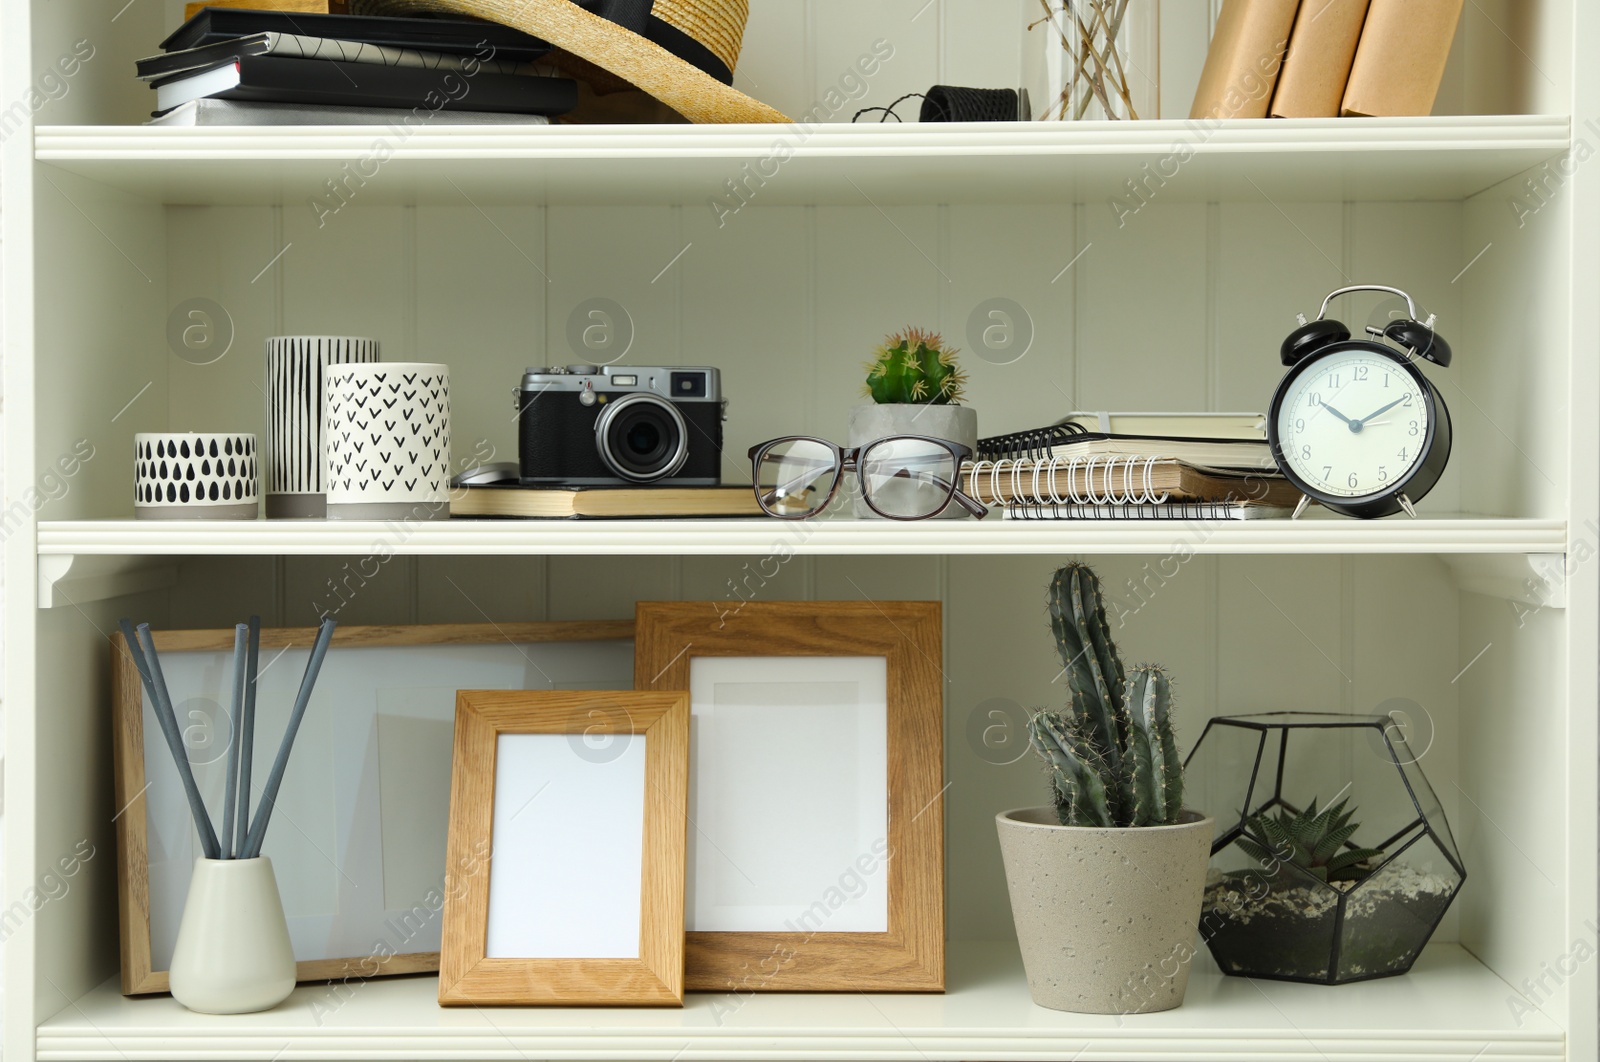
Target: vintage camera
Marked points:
583	426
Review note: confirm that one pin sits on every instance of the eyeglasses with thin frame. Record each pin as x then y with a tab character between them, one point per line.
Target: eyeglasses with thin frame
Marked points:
902	477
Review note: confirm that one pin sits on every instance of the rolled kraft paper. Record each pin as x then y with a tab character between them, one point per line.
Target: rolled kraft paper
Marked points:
194	476
387	441
293	456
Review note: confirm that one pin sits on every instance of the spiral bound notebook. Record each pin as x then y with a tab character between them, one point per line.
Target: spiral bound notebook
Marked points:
1167	511
1082	480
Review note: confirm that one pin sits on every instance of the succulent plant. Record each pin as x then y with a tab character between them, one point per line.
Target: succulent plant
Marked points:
913	366
1315	841
1113	759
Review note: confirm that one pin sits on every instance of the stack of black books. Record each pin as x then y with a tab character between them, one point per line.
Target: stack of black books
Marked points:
227	66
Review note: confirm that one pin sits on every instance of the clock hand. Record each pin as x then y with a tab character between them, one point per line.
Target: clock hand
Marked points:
1376	412
1353	424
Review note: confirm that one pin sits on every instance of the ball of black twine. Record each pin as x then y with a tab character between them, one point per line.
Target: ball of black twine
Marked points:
950	103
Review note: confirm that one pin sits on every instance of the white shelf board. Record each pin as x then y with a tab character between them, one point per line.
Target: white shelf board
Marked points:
1450	1008
759	537
1303	159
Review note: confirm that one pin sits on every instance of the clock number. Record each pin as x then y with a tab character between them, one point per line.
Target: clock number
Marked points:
1403	456
1300	424
1361	372
1408	398
1386	379
1333	381
1305	453
1413	430
1383	477
1327	472
1314	399
1352	479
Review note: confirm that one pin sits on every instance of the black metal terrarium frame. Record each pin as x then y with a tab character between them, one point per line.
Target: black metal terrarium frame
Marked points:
1283	722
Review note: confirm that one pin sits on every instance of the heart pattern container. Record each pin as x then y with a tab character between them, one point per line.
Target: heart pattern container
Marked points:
194	476
293	455
387	440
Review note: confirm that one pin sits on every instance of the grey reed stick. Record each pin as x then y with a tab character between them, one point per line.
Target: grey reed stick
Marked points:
230	792
247	732
269	793
156	683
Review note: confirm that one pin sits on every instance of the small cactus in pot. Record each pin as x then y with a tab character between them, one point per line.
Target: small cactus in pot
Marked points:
913	386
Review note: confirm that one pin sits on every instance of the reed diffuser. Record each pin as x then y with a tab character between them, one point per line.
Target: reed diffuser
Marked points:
233	953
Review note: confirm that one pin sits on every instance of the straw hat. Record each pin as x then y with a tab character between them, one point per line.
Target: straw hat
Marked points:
682	52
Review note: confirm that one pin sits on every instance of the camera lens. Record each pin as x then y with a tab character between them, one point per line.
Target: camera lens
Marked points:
641	438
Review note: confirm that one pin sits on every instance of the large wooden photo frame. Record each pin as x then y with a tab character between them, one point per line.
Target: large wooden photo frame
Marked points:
566	860
363	874
886	761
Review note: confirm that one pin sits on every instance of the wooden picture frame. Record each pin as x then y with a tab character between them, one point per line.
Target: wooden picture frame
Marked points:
653	974
141	792
908	955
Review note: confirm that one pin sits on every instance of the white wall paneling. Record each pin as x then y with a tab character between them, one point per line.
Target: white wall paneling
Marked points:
493	290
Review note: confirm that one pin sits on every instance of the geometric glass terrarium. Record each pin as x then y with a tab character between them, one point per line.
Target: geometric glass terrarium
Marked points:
1332	860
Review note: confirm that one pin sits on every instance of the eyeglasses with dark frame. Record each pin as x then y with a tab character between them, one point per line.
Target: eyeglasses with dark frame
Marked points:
902	477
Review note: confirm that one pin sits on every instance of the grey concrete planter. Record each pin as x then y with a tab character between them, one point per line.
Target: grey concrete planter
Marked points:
1106	918
871	421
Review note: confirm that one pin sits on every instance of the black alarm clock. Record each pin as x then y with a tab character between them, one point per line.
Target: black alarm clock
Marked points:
1354	424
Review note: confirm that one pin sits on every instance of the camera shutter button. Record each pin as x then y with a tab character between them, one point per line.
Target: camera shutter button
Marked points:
586	397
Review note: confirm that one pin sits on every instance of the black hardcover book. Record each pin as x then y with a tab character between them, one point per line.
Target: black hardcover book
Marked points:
457	36
203	58
270	79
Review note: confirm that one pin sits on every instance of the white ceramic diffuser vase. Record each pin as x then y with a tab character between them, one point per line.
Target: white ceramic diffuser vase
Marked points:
232	955
194	476
387	440
293	452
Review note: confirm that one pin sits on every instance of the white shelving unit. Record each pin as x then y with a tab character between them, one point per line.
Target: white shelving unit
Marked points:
1145	282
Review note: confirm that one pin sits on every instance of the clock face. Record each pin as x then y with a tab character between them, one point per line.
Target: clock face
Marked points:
1353	423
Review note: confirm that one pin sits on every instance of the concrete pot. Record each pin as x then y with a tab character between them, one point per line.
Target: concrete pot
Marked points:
870	422
1106	918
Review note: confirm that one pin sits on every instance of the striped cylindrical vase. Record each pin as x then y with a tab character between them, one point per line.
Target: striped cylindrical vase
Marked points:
294	454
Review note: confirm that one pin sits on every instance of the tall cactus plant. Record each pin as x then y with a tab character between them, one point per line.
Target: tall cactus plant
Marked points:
1113	759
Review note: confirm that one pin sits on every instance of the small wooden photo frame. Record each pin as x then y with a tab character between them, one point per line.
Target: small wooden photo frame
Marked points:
816	860
566	856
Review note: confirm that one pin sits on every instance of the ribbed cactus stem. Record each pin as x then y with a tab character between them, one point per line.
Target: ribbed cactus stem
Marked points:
1113	759
1094	669
1080	791
1152	777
